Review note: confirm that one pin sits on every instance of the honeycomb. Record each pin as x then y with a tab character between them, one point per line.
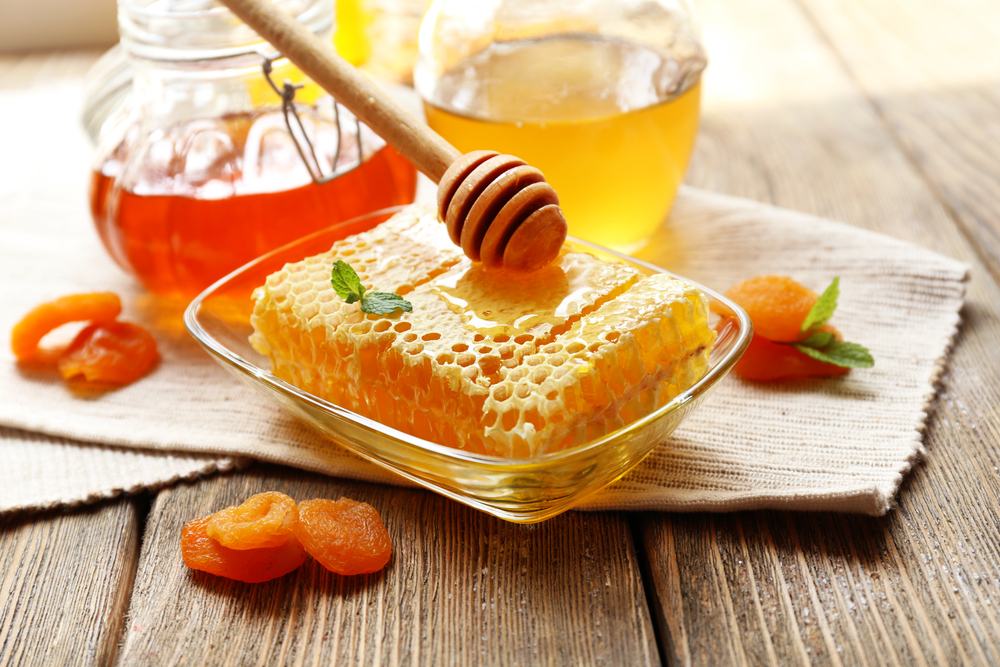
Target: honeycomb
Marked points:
486	362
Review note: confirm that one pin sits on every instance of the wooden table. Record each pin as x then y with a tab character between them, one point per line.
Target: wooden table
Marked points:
881	113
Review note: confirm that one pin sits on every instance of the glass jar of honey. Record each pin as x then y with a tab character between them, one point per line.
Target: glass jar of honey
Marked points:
199	169
602	96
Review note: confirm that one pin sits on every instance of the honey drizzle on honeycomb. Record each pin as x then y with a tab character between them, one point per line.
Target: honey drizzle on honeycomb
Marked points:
552	381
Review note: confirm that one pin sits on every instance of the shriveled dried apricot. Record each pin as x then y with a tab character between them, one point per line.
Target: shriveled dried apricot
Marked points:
263	520
780	308
777	306
28	333
252	566
344	536
109	352
765	360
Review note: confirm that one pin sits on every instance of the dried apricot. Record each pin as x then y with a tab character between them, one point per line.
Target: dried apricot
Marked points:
345	536
791	337
777	305
765	360
263	520
252	566
28	333
109	352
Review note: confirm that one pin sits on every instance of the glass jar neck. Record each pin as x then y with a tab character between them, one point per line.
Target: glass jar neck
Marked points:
179	33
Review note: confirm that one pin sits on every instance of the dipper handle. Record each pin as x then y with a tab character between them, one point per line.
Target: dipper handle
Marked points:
477	187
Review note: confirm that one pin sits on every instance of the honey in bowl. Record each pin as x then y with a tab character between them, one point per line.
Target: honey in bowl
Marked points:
182	207
609	122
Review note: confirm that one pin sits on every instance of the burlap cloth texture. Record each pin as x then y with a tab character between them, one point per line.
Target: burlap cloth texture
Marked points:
839	444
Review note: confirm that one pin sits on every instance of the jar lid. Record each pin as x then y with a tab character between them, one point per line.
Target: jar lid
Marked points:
188	30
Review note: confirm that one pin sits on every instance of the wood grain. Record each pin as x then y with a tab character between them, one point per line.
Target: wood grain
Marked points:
936	87
786	122
64	584
461	589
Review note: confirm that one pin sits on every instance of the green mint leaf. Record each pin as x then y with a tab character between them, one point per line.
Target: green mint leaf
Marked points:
345	282
818	339
348	286
822	310
383	303
840	353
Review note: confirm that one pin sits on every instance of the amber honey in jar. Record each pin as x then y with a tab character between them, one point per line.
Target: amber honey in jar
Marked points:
198	170
607	109
208	196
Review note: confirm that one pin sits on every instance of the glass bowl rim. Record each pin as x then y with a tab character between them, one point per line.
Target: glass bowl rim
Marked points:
715	373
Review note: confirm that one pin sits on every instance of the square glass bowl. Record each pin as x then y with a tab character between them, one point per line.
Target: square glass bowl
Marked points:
523	490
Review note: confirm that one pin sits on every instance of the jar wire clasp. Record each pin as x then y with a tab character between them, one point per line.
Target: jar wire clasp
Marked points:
288	108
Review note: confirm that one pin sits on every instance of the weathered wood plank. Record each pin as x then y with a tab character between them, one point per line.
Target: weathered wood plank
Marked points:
65	580
936	84
785	122
462	588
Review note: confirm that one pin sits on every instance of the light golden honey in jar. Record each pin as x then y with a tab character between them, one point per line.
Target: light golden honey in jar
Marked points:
609	122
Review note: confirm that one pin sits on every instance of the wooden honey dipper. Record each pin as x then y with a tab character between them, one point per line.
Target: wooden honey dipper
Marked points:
497	208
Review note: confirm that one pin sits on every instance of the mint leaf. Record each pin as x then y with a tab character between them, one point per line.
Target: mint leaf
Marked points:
818	339
840	353
346	282
348	286
383	303
822	310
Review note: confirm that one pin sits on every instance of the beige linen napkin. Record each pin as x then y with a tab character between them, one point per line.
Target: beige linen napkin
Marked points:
39	471
839	444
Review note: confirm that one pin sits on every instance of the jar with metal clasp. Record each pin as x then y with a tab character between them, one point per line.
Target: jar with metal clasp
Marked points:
212	150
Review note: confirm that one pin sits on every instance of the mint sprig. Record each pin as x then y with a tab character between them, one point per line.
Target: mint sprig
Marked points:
346	282
817	340
383	303
840	353
348	287
822	345
822	310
